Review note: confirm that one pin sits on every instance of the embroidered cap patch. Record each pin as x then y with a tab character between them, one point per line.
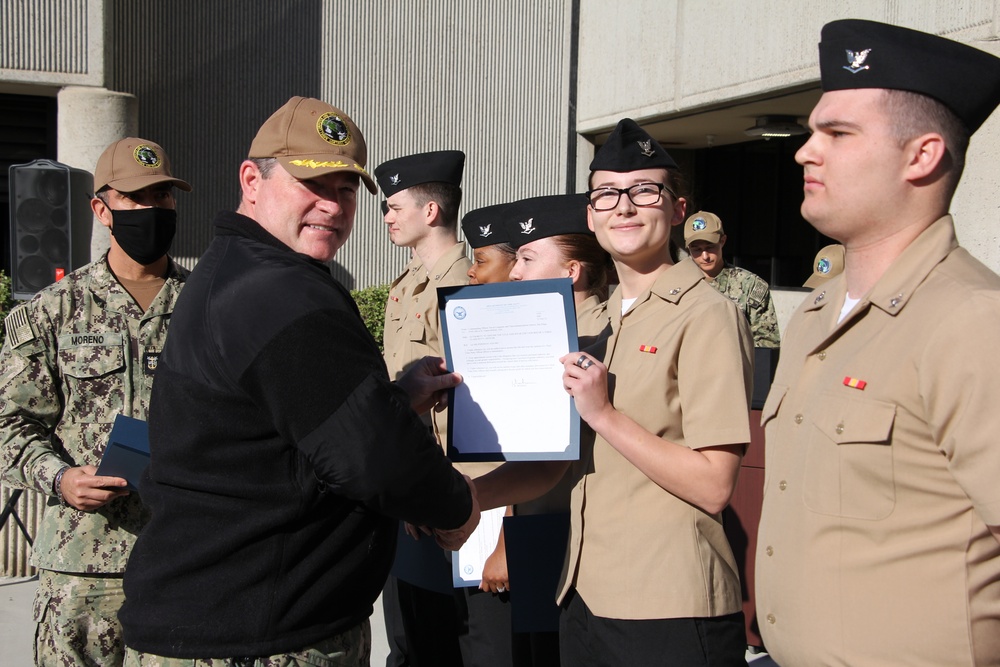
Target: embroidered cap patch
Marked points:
146	156
333	129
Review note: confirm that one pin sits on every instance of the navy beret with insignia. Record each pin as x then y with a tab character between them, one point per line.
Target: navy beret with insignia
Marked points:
540	217
485	226
866	54
435	167
630	148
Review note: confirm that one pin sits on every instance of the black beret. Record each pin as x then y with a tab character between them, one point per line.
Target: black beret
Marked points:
485	226
434	167
553	215
867	54
630	148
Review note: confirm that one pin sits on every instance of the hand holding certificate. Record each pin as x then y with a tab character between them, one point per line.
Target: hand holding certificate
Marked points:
506	340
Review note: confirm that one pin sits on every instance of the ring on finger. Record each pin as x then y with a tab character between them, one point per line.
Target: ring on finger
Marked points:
587	364
581	361
501	589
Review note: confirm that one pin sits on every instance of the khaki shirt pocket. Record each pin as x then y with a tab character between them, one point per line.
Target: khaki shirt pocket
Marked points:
849	458
416	332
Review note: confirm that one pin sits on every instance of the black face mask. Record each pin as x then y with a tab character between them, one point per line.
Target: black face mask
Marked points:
144	234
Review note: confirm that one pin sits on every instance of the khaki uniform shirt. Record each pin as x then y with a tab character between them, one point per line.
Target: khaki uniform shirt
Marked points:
413	321
751	295
77	355
873	547
635	550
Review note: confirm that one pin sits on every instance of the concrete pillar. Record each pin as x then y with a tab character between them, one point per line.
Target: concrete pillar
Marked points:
89	119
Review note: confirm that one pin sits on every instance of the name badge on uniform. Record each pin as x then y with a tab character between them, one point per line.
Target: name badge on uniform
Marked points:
149	362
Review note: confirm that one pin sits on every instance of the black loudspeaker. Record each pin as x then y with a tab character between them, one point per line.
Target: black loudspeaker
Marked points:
50	223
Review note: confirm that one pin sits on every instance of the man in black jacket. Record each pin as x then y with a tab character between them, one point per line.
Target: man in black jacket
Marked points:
282	455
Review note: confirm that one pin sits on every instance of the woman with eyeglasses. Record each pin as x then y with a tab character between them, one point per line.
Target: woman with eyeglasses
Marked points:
650	577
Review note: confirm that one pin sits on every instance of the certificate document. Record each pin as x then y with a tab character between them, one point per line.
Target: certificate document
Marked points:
506	340
467	563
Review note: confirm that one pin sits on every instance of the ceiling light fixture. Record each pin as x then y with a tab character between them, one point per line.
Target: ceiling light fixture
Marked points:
769	127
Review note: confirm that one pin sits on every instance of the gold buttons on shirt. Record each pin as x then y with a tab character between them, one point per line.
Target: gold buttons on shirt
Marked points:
799	418
840	428
771	619
782	485
822	355
769	551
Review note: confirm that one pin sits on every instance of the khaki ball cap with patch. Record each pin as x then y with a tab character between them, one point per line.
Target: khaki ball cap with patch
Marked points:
131	164
311	138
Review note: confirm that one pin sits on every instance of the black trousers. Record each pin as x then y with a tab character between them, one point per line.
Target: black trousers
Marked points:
536	649
485	639
424	628
586	640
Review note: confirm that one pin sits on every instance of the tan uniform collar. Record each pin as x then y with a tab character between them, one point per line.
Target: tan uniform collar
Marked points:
671	286
893	290
454	254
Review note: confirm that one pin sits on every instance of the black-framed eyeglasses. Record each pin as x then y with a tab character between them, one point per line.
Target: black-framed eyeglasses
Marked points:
640	194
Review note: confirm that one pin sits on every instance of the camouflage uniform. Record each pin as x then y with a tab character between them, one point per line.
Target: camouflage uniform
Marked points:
76	355
348	649
752	296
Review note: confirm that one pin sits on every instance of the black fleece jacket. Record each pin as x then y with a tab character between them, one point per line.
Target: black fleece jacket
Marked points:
282	457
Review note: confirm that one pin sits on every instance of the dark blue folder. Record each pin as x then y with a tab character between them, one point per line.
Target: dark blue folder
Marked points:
127	452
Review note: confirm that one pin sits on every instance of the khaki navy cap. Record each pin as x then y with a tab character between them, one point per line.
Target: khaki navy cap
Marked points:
551	215
311	138
434	167
131	164
630	148
703	226
829	262
866	54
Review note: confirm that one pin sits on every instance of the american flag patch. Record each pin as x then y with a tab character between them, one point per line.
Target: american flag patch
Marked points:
18	328
647	348
854	383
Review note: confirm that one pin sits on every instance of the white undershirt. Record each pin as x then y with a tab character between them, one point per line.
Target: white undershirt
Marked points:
849	304
627	303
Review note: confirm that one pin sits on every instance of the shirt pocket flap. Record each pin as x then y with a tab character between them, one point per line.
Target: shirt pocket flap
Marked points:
856	421
415	330
88	355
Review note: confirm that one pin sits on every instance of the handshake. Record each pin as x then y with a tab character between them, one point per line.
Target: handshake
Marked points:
451	539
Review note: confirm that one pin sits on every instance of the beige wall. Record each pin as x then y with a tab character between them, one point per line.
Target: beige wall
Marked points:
654	60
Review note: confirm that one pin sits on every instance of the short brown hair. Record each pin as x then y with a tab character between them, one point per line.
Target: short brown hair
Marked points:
447	196
912	114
